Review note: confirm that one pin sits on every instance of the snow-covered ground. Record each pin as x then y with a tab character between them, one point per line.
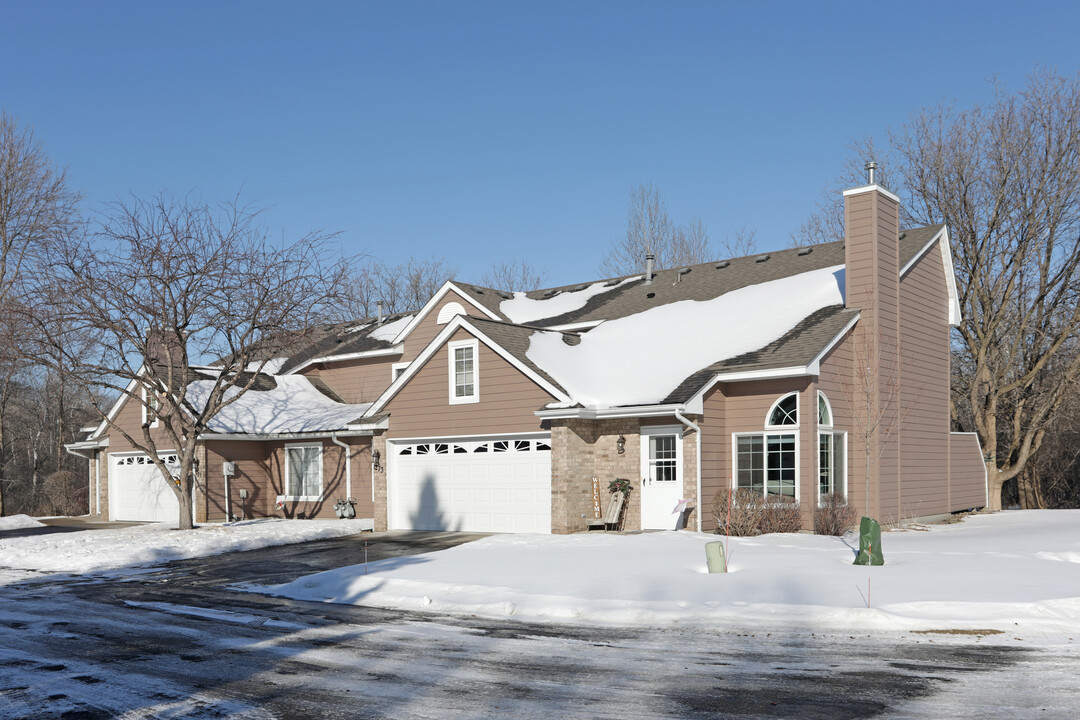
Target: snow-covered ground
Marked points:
1014	572
96	550
18	522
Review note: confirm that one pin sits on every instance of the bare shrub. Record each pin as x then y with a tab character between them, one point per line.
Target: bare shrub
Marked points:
744	515
65	494
780	514
834	516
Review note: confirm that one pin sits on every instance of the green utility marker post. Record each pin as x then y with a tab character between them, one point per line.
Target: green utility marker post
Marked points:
869	543
714	556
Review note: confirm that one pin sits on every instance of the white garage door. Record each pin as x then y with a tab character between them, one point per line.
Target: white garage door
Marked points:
495	485
137	491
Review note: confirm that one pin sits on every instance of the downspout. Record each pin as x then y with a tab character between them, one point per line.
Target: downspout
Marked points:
97	482
228	495
697	460
348	465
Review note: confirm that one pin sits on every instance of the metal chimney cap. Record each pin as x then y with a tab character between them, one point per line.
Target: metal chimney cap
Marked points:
871	172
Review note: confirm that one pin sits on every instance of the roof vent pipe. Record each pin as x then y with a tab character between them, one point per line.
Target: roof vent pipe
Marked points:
378	304
649	258
871	173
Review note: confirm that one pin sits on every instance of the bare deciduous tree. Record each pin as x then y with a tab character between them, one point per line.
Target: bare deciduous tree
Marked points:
739	243
401	288
513	276
36	208
1005	178
168	291
650	229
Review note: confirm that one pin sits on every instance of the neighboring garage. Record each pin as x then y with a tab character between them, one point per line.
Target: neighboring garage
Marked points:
500	484
138	491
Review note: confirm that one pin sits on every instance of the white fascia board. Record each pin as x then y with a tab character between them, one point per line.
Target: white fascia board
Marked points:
627	411
397	349
264	437
111	415
942	240
435	299
571	327
815	364
459	322
868	188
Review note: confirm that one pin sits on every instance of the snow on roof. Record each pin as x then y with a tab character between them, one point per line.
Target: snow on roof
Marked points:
640	359
523	310
269	367
390	330
294	406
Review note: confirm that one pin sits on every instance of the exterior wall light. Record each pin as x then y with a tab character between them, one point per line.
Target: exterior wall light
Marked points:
375	456
621	444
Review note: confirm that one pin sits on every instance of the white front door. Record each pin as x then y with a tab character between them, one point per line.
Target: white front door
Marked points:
662	476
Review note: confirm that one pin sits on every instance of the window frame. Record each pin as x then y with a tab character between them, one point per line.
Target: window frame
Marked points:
452	350
397	370
776	404
646	433
285	488
790	430
837	436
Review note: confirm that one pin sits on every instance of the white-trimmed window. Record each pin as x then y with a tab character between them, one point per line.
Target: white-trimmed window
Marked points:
303	471
768	462
832	453
464	373
151	405
396	369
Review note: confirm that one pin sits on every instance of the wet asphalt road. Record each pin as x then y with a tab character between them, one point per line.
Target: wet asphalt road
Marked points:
178	642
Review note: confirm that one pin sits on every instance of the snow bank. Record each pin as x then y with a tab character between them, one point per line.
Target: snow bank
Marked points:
987	572
293	406
640	359
18	522
94	550
524	310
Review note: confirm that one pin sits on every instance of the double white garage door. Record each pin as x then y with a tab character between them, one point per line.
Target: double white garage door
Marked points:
137	490
477	485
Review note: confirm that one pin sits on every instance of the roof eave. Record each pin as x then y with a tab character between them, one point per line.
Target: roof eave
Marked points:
625	411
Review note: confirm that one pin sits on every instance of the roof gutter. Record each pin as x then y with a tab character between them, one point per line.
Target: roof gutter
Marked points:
697	460
79	448
263	437
394	350
627	411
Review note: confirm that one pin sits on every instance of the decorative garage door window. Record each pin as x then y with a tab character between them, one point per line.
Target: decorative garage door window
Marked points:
145	460
490	446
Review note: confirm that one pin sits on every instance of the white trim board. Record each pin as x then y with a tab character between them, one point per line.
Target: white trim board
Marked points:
942	238
435	300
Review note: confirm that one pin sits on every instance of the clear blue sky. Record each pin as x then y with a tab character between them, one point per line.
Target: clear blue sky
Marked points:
486	131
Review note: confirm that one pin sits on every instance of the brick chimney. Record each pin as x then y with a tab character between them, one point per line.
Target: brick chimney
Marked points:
872	280
165	347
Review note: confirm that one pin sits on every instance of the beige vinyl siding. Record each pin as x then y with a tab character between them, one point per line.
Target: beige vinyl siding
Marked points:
715	453
128	417
428	327
333	481
924	389
252	474
507	401
356	381
967	473
835	382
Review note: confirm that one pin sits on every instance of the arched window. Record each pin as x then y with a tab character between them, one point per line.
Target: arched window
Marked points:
832	453
784	411
824	410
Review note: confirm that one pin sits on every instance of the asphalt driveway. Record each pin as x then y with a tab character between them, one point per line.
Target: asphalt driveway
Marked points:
181	642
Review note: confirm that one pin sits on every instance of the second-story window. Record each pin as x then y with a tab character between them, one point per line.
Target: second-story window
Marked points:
464	377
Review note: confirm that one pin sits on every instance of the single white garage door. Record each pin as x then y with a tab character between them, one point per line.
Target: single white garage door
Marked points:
496	485
137	491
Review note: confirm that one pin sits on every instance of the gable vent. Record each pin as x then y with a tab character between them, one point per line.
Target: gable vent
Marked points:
448	311
722	265
762	258
805	251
